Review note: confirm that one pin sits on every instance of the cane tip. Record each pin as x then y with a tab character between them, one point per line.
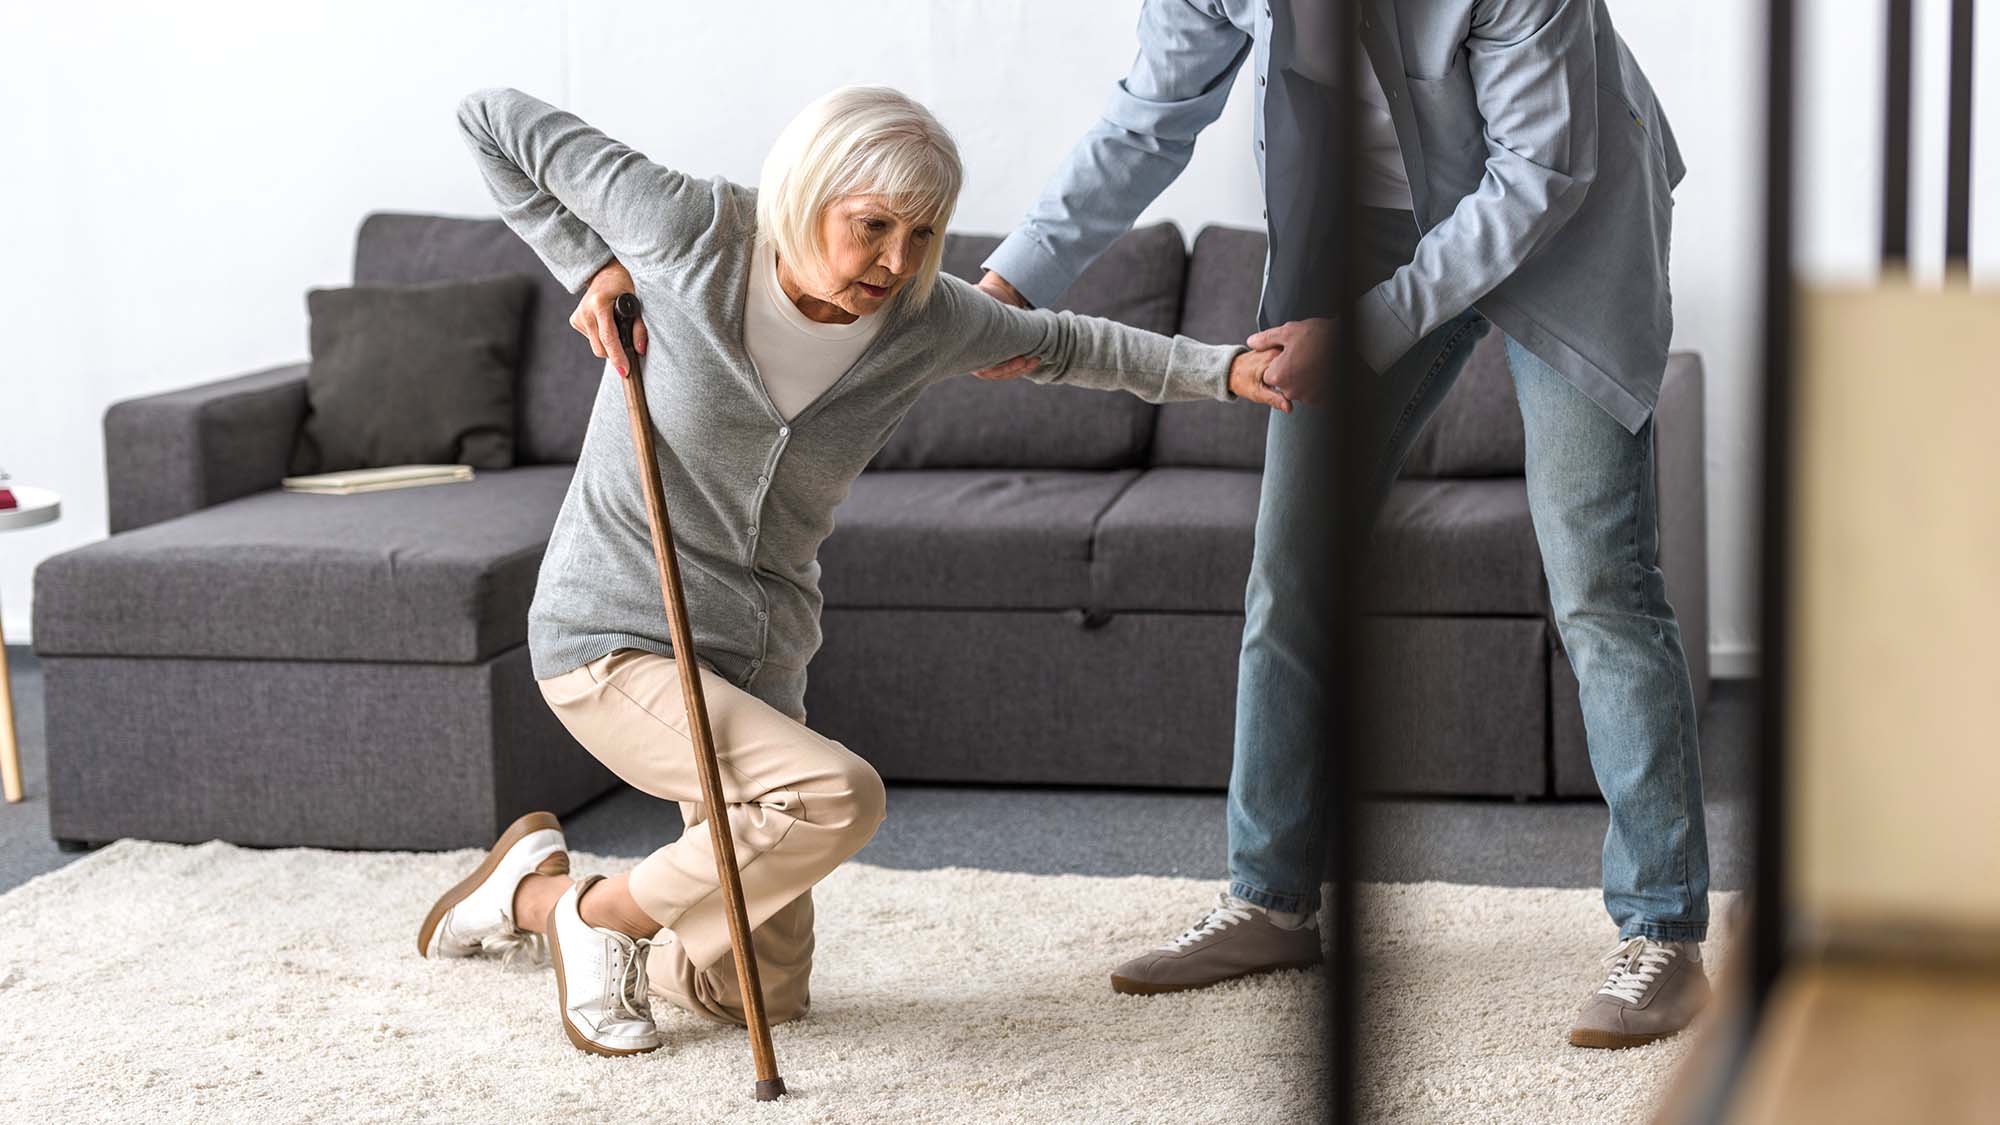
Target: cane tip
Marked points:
770	1089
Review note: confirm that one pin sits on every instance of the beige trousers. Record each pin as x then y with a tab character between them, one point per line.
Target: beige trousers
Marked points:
799	804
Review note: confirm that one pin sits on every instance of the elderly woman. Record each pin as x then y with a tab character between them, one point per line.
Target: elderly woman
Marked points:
791	328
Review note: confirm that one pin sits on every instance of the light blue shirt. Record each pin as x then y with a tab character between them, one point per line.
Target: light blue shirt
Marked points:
1541	169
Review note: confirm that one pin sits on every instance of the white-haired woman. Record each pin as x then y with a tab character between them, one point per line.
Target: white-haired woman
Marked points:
790	329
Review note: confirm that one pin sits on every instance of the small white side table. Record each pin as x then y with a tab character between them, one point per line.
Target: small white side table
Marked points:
37	506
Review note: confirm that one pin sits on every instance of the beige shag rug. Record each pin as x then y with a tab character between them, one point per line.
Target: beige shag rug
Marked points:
163	982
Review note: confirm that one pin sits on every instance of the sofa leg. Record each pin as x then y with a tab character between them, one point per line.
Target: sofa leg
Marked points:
71	844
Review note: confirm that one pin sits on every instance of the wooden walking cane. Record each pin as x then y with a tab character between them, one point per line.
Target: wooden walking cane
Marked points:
769	1085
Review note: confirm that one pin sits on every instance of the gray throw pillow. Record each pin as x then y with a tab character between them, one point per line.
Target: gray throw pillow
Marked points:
413	374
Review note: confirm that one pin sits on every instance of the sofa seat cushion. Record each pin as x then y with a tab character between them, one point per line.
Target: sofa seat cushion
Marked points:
1180	539
1457	547
936	538
442	574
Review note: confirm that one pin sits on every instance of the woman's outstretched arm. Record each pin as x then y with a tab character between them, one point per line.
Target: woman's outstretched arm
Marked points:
1090	351
576	196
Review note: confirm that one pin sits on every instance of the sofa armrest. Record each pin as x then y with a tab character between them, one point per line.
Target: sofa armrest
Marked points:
1680	472
169	454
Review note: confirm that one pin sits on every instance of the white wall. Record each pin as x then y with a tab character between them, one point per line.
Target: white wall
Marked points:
174	182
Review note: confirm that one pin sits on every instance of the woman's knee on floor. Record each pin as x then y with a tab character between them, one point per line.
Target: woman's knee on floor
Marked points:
717	997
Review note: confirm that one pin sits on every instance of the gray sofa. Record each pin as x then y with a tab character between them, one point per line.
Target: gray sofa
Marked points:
1033	585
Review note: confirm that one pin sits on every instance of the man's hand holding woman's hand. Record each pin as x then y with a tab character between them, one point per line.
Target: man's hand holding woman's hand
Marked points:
1286	364
1247	379
1302	359
593	316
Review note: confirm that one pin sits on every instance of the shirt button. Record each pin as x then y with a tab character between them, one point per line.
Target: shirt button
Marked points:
763	616
762	479
1260	146
753	529
1260	80
784	431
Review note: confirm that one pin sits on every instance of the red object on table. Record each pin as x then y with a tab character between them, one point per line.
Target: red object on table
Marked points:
7	499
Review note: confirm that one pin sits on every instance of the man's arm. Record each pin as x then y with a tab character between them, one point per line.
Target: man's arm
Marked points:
1178	84
1534	74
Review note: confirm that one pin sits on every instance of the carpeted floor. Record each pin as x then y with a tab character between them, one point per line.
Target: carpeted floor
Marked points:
201	983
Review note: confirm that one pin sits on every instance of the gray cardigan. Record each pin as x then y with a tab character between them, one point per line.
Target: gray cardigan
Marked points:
750	495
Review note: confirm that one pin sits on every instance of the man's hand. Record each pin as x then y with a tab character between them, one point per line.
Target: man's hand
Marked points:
1305	356
1249	378
593	316
997	287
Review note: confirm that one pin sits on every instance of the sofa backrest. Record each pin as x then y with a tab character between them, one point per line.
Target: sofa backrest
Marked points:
1145	279
559	374
1476	431
1225	278
967	422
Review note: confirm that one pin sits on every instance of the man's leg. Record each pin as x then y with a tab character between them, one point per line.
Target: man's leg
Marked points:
1276	783
1591	492
1277	808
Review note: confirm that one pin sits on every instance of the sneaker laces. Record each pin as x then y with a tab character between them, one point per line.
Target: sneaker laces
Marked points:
511	942
1225	913
1635	964
628	969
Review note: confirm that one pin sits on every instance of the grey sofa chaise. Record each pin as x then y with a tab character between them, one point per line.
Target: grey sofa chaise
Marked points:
1031	584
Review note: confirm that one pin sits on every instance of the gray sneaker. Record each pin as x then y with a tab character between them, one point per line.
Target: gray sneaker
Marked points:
1234	939
1654	991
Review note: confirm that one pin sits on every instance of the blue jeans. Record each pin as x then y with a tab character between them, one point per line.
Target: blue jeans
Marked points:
1591	495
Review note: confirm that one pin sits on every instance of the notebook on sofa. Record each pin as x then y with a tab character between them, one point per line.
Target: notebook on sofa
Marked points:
348	481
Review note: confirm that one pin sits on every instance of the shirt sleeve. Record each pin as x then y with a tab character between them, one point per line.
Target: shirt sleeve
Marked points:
574	195
1534	77
1076	351
1178	84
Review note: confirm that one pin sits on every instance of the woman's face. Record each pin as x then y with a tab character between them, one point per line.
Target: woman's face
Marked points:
869	251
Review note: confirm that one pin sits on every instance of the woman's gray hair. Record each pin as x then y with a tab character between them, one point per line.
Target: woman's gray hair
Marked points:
859	140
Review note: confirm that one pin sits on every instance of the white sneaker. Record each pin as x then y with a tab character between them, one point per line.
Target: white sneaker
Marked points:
600	981
477	915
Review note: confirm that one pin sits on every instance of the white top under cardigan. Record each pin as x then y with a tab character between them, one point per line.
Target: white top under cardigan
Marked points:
797	357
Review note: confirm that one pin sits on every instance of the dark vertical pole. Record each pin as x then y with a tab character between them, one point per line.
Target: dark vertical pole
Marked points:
1348	479
1768	877
1896	138
1958	166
